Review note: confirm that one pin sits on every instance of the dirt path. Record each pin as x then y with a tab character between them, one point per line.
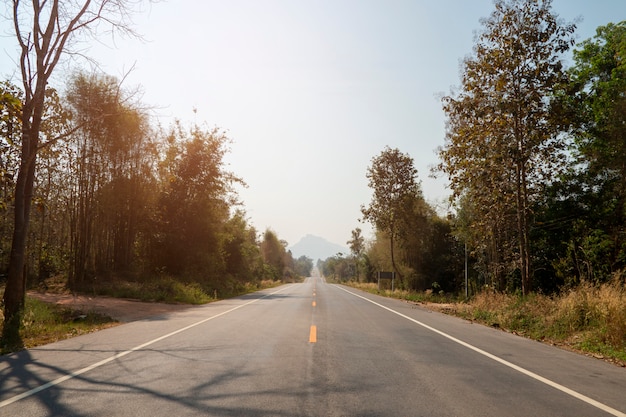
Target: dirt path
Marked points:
122	310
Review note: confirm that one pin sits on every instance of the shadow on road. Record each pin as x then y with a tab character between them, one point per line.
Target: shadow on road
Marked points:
225	391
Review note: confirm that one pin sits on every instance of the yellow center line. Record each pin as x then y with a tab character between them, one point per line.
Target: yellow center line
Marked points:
313	331
313	334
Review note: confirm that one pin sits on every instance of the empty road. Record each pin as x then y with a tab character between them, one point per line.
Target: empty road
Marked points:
310	349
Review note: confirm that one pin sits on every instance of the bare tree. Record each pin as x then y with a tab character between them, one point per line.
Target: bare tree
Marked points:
45	31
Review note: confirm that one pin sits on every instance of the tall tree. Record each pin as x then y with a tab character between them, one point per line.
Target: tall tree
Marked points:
44	30
500	146
393	180
45	247
274	254
357	246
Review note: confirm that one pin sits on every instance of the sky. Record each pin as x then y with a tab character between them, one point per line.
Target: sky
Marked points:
309	91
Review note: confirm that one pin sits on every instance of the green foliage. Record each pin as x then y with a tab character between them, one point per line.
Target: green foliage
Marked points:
598	99
581	218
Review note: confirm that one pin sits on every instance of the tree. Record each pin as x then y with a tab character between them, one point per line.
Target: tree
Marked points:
274	255
357	246
598	93
501	147
392	177
44	31
194	202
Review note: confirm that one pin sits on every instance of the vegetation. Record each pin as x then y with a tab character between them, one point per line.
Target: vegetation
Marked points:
534	153
501	150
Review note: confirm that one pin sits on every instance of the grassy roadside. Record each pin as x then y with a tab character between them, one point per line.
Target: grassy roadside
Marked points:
589	319
44	323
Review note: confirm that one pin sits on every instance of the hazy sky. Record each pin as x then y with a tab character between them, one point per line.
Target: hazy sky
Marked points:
308	90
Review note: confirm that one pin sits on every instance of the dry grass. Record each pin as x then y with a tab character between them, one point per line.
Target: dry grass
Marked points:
599	312
590	318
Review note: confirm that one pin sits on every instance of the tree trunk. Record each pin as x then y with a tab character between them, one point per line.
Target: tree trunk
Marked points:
522	228
393	260
15	291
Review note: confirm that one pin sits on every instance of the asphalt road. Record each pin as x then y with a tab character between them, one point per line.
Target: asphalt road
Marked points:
310	349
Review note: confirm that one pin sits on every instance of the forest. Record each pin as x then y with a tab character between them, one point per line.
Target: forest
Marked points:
535	155
93	192
118	199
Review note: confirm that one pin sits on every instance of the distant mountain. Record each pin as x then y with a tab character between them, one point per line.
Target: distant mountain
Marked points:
316	247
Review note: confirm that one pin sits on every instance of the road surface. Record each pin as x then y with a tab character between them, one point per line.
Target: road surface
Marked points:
310	349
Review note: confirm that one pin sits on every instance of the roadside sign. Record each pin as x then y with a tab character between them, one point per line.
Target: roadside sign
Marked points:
386	275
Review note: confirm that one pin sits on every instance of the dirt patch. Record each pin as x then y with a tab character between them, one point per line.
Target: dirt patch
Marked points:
122	310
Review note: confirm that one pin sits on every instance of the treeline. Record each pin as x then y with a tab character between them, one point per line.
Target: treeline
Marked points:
535	154
118	198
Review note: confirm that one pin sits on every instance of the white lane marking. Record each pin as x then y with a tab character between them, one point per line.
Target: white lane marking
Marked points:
526	372
121	354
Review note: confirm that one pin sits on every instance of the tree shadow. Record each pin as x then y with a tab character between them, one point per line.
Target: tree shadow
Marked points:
220	393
